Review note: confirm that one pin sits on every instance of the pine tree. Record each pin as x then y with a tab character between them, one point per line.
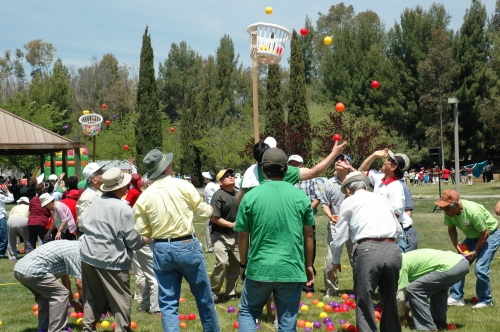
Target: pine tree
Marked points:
471	52
298	114
148	129
275	113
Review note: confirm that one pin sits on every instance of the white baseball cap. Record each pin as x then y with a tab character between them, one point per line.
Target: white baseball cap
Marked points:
296	158
90	169
271	142
24	199
53	177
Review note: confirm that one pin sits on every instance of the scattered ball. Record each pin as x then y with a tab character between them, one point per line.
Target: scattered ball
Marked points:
133	325
352	296
474	300
330	327
181	300
316	325
191	316
79	322
342	321
340	108
452	326
73	315
304	308
327	308
304	31
323	315
182	317
269	10
125	147
314	302
35	307
236	325
108	122
320	305
337	137
301	323
104	324
328	40
104	106
230	310
86	112
375	84
66	128
114	117
172	129
309	295
183	325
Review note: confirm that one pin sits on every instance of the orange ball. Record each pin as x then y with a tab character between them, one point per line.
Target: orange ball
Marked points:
345	296
309	295
113	326
76	295
181	300
72	315
327	308
314	302
133	325
35	312
346	326
301	323
35	307
377	314
339	107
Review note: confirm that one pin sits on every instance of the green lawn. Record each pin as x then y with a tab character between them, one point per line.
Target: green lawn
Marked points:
16	301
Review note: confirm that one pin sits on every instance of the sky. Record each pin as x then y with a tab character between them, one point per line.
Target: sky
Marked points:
81	29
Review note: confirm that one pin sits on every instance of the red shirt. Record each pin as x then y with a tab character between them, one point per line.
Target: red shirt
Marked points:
132	196
446	173
39	216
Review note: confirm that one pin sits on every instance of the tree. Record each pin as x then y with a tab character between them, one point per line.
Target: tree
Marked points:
148	128
226	62
12	75
307	45
437	75
471	52
275	111
40	55
298	114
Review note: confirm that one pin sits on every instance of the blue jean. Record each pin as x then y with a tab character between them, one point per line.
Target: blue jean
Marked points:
481	270
171	262
255	295
4	235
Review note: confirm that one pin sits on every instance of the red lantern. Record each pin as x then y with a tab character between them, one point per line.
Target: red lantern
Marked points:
172	129
337	137
340	107
304	32
125	147
108	122
375	84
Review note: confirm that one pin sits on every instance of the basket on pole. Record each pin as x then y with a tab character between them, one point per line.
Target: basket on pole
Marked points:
91	124
270	43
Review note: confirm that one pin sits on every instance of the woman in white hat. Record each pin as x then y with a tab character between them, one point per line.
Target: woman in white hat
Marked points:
18	224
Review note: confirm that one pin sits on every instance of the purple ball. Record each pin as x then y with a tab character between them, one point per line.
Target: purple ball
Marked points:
69	305
114	117
301	304
331	303
103	316
316	324
69	313
230	310
342	321
69	329
66	127
257	327
352	296
307	329
326	320
335	304
329	324
273	307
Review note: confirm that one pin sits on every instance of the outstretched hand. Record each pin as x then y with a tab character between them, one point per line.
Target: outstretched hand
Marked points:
381	153
338	148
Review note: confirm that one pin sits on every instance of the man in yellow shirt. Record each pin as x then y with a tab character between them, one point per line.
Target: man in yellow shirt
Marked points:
164	212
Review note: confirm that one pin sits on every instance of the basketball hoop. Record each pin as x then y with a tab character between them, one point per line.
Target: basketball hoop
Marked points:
91	124
270	43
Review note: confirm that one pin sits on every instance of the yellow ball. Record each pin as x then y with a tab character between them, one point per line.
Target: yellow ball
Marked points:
269	10
309	324
320	305
86	112
79	322
304	308
1	323
328	40
323	315
104	324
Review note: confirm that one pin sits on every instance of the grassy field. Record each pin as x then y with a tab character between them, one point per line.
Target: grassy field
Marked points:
16	301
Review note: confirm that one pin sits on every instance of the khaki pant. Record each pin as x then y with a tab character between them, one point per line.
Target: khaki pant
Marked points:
99	285
52	299
227	262
208	240
142	264
331	281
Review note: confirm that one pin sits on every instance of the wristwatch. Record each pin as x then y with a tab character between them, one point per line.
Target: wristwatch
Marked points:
243	266
474	252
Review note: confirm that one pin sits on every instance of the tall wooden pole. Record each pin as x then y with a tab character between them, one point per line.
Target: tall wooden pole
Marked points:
255	86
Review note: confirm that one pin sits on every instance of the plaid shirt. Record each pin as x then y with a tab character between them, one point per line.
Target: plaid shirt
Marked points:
310	188
58	258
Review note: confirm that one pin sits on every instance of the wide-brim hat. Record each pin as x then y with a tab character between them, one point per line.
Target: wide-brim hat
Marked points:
156	162
46	199
114	179
207	175
402	160
352	177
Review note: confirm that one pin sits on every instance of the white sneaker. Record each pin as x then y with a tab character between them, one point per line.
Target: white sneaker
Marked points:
276	325
454	302
482	305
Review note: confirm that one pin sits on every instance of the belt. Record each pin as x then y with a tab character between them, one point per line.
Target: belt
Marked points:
182	238
407	228
375	239
225	232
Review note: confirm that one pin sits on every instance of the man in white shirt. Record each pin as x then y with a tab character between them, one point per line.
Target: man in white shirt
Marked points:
5	197
368	220
387	182
93	174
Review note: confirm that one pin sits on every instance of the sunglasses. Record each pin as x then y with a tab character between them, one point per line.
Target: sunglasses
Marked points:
341	158
228	175
449	207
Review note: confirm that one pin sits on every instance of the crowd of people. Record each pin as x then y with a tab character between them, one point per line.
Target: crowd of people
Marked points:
261	229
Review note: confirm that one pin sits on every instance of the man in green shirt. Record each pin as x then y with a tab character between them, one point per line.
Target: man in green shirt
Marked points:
278	217
482	241
427	274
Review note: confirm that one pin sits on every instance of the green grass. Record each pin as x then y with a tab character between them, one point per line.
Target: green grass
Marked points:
16	301
479	188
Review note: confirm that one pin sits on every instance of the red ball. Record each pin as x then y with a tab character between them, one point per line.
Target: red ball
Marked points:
236	325
172	129
182	317
79	315
474	300
463	247
353	305
304	31
125	147
113	326
330	327
452	326
337	137
375	84
191	317
133	325
340	107
104	106
336	309
108	122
